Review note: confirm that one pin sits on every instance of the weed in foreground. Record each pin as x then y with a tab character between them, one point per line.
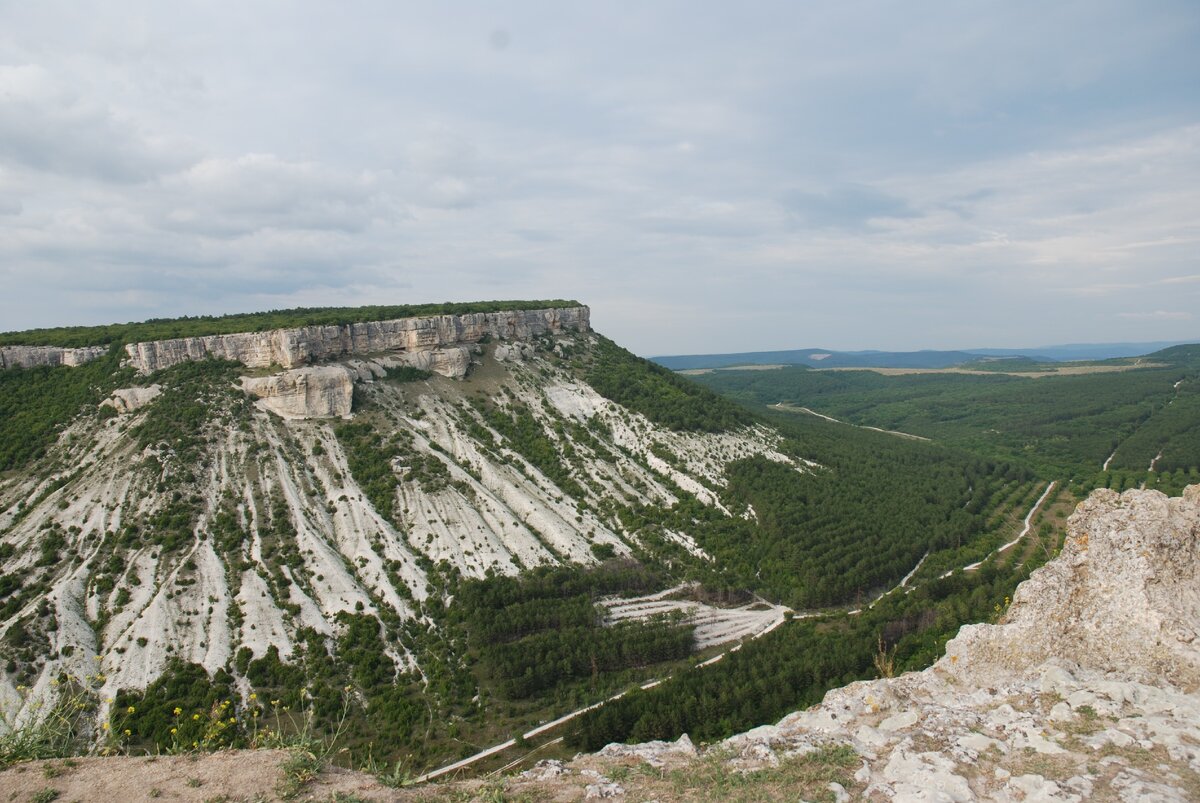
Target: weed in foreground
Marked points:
806	776
308	755
60	730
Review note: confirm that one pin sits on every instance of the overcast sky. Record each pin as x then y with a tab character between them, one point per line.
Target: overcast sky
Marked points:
708	176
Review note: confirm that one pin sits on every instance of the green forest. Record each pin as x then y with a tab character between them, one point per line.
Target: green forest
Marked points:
1059	426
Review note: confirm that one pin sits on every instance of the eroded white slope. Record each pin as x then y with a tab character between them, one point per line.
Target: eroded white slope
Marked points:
281	537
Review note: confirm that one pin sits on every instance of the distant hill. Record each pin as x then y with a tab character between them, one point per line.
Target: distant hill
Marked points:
824	358
829	358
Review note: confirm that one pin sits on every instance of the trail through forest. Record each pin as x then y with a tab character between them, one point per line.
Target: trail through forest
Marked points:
776	622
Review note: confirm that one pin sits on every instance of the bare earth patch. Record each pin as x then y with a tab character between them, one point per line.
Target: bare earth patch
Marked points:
232	775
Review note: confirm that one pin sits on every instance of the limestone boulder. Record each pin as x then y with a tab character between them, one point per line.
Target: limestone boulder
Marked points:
127	400
1123	596
324	391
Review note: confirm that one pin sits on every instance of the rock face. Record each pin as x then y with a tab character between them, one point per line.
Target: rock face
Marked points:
126	400
293	347
1123	596
35	356
324	391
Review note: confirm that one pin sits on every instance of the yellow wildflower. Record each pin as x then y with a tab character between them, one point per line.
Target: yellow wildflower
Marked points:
174	731
106	726
178	710
195	716
130	710
128	732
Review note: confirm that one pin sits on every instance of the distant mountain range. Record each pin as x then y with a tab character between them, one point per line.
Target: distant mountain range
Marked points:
829	358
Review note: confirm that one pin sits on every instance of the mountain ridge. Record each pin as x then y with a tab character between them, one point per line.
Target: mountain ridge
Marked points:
924	358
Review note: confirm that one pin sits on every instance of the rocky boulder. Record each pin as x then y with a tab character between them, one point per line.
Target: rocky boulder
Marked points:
324	391
1123	596
126	400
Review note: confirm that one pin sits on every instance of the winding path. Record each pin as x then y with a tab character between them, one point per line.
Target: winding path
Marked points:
540	729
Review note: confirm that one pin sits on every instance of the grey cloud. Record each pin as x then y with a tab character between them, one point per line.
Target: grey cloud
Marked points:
235	197
44	126
674	163
851	206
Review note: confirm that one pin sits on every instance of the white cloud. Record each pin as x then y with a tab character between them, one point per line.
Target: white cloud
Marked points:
1157	315
857	174
46	126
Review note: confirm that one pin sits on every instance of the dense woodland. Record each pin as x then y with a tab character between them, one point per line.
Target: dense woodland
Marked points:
795	665
1061	426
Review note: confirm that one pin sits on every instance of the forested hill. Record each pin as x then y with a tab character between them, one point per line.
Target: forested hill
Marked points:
972	358
1142	425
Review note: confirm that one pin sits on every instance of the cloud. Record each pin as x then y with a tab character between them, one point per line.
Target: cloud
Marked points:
851	206
45	126
1157	315
235	197
863	174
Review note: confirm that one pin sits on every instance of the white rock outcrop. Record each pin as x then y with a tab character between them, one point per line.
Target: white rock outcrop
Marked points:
1123	596
324	391
37	356
289	348
126	400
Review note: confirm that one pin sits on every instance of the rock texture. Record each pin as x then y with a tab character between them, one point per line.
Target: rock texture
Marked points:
35	356
1123	596
127	400
324	391
289	348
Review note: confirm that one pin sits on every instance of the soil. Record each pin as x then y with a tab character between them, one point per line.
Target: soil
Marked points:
233	775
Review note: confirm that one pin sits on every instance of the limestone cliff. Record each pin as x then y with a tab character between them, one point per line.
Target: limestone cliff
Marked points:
290	348
323	391
36	356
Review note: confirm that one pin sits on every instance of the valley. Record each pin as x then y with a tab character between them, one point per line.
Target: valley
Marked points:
429	536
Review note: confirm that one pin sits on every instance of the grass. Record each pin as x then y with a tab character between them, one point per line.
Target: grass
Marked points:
713	779
299	769
55	734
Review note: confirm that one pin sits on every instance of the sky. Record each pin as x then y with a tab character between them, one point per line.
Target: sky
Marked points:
707	176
